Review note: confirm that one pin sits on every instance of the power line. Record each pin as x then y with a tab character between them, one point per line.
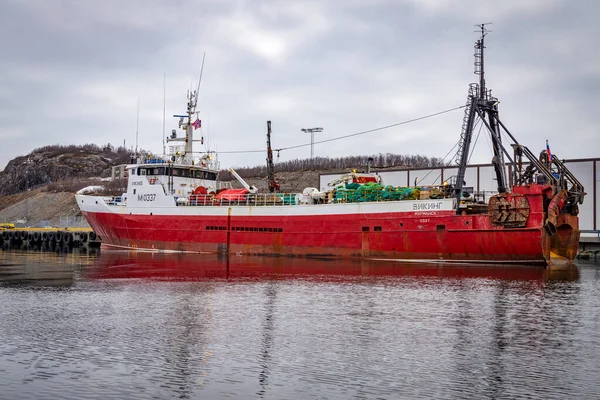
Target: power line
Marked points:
376	129
350	135
441	161
244	151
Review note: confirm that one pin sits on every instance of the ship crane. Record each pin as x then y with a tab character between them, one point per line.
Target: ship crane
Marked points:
273	185
250	188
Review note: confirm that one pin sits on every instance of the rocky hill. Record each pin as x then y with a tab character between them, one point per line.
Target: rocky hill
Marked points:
56	163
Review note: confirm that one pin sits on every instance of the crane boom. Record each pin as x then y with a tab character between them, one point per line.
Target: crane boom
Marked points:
251	189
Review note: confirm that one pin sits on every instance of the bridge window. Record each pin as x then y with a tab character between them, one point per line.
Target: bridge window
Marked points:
204	175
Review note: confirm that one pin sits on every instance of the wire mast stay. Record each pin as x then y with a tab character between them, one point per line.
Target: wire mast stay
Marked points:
273	185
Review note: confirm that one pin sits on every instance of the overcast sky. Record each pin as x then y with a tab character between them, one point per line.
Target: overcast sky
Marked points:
71	72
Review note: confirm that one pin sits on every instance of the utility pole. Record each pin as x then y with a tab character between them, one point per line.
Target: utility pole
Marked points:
312	139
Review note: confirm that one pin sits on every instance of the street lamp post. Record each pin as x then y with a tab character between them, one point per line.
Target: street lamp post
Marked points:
27	198
312	139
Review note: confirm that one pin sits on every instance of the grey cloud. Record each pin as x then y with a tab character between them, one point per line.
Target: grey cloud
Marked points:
72	72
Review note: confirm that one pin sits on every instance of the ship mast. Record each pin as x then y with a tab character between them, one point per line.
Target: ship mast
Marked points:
188	150
188	154
480	103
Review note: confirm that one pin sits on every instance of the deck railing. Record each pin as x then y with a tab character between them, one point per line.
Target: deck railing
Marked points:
292	199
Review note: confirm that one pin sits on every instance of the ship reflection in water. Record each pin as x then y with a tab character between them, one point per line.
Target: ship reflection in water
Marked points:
150	325
187	266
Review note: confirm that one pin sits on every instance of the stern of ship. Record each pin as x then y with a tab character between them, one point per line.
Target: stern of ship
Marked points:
562	243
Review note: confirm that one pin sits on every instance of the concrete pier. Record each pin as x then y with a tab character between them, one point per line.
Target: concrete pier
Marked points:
589	245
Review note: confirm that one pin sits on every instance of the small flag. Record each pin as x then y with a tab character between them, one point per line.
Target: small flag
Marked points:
548	153
197	123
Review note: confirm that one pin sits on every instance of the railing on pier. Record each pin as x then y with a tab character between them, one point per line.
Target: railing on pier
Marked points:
73	222
593	234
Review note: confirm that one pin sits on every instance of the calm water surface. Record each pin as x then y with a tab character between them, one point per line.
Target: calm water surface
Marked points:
139	326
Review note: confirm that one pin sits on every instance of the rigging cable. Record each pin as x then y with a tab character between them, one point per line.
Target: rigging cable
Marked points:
470	155
442	160
476	139
350	135
447	154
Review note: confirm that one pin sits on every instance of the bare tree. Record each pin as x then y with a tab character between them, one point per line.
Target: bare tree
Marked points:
381	160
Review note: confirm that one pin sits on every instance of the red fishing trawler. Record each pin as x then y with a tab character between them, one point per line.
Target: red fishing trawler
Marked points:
178	204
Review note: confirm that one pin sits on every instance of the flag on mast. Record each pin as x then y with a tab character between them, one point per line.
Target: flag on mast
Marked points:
548	153
197	123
